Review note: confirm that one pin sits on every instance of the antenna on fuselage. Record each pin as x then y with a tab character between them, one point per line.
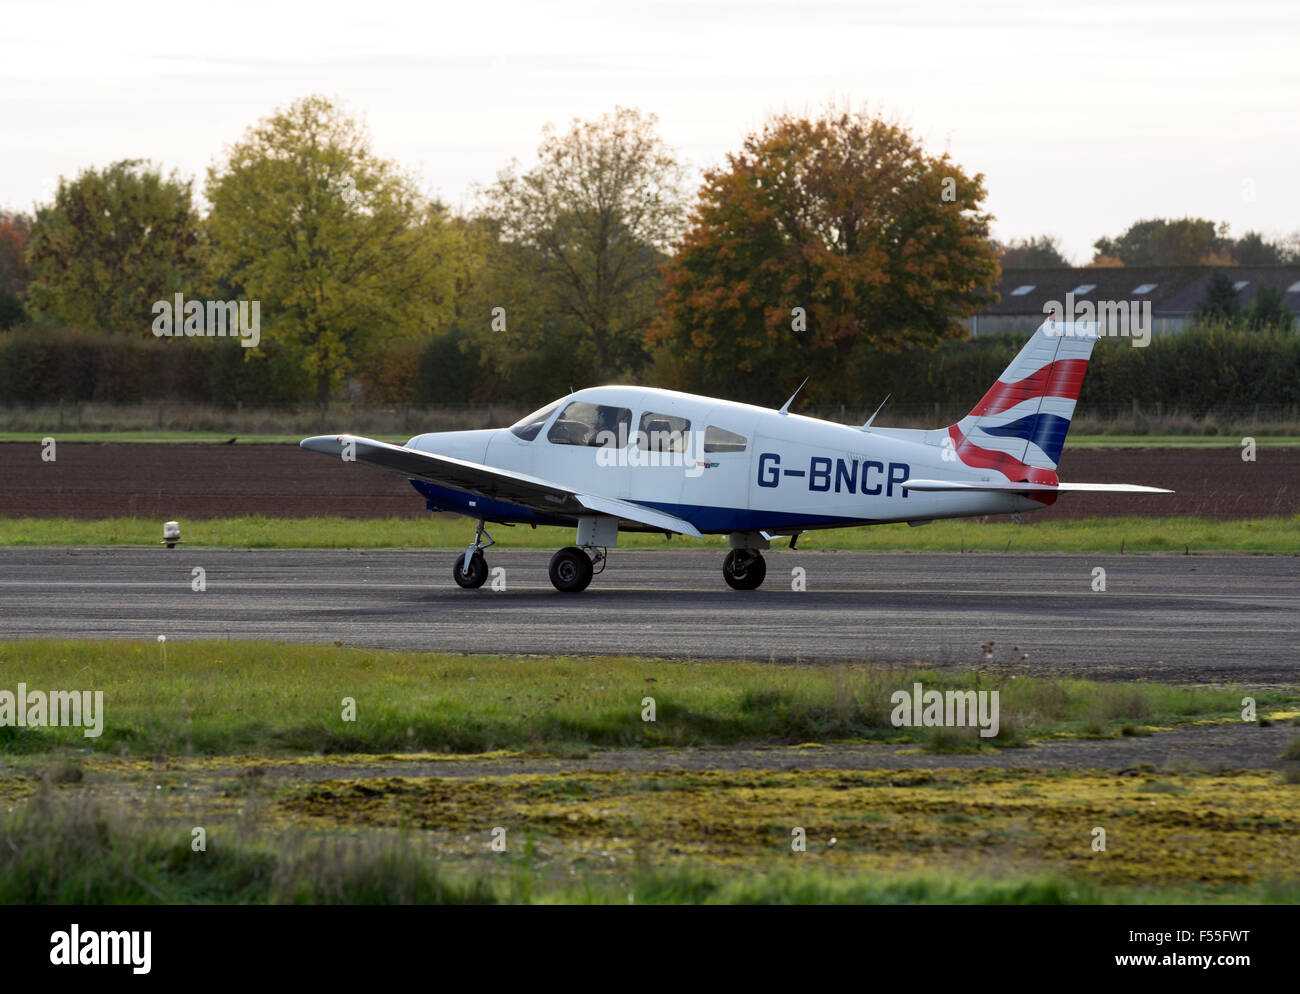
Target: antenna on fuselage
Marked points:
785	408
867	426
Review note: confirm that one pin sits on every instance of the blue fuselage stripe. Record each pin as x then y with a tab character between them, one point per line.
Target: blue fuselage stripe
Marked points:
703	517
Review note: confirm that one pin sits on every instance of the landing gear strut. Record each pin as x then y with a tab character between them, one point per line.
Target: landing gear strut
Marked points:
744	569
471	569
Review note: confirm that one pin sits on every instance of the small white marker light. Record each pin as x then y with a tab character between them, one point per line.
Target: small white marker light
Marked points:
171	534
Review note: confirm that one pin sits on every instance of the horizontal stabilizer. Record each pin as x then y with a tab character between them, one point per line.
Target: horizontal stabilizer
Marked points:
940	486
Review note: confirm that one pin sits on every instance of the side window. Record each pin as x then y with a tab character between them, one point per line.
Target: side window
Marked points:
720	440
528	428
595	425
662	433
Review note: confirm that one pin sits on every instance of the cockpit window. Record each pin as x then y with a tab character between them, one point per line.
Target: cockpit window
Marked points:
596	425
720	440
528	428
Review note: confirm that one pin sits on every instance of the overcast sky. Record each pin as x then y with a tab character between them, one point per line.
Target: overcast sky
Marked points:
1082	117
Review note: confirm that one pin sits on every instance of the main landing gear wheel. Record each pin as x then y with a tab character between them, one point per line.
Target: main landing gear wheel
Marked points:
473	577
571	570
744	569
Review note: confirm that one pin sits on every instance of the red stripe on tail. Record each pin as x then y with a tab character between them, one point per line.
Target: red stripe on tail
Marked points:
1057	379
1009	466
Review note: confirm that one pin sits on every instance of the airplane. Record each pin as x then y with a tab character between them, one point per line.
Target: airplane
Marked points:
640	459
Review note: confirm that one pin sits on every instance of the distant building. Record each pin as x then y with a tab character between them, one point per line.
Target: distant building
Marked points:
1175	293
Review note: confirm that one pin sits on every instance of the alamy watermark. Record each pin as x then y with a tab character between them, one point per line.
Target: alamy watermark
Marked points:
946	709
1100	318
680	449
57	709
74	947
181	318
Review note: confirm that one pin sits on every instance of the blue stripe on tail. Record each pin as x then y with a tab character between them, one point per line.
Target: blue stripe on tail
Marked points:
1047	431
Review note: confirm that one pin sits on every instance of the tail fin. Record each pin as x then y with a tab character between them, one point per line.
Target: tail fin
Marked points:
1019	427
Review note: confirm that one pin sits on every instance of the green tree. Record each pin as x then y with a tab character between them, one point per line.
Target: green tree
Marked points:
1220	302
12	311
1268	310
112	243
593	219
338	245
1252	250
1041	252
511	340
819	243
1188	241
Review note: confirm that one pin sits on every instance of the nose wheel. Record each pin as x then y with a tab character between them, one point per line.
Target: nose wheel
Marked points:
744	569
471	569
475	575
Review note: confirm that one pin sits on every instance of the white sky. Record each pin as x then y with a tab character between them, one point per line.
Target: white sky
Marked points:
1082	117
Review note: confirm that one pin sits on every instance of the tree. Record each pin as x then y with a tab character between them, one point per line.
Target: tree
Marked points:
1161	242
1041	252
1103	261
594	217
517	340
12	311
1289	248
111	244
15	235
1252	250
817	243
1268	310
1220	302
338	245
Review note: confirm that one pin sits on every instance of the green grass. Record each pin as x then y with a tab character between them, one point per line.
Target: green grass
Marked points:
115	826
1076	441
59	849
220	698
1278	536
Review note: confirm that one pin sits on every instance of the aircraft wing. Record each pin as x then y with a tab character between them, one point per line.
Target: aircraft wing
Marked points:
939	486
496	484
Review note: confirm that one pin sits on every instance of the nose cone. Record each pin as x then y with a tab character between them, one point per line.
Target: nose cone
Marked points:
468	445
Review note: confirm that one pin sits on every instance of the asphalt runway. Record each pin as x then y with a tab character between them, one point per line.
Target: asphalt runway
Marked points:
1190	618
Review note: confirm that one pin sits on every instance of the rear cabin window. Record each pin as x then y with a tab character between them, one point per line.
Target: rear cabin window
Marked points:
595	425
528	428
720	440
662	433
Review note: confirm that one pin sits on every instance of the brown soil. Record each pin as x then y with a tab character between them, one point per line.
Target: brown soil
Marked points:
216	481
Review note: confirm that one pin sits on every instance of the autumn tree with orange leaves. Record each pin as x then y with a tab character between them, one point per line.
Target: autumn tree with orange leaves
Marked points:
818	244
15	233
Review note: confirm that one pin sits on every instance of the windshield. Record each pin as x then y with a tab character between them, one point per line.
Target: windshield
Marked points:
528	427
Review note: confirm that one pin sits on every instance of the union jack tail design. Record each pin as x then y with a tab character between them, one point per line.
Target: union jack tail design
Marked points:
1020	425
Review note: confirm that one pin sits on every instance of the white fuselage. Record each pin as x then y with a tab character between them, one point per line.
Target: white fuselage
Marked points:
794	472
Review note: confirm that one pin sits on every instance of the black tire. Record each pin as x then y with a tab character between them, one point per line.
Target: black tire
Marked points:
744	570
478	571
570	570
